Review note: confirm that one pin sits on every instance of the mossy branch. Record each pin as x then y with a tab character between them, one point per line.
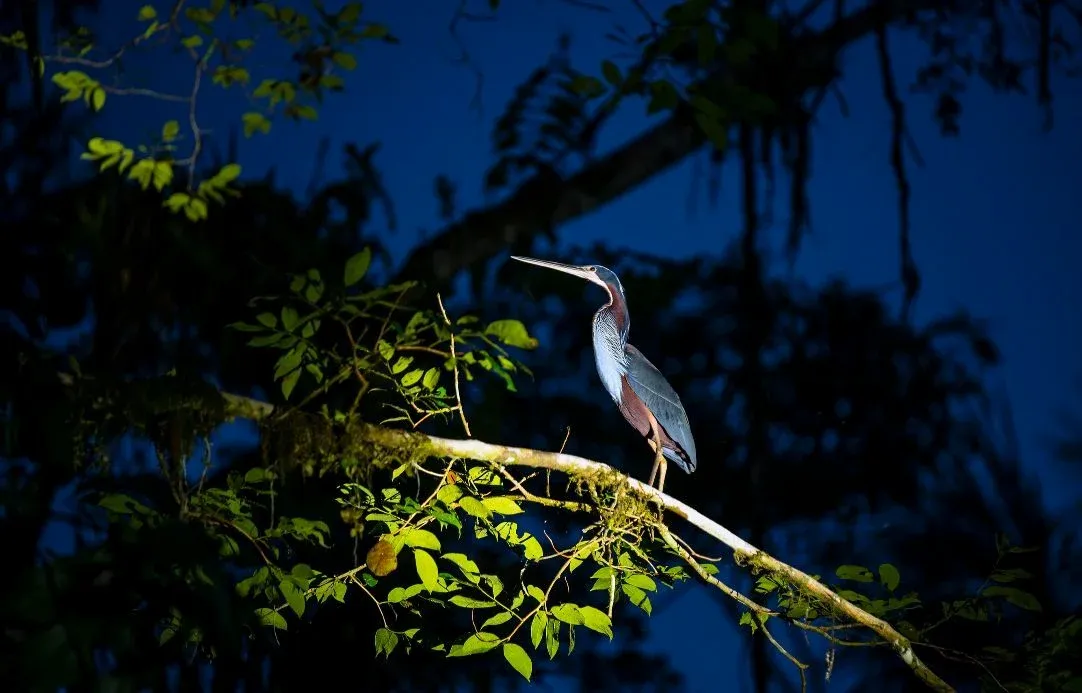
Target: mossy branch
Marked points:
745	553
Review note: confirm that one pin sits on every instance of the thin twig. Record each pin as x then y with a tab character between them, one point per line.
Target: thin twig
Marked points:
454	362
360	584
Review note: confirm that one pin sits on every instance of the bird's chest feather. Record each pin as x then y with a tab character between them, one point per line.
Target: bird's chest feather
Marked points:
609	355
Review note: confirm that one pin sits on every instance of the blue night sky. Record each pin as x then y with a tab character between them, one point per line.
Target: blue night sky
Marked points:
992	211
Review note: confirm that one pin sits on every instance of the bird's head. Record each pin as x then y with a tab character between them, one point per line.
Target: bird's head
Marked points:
596	274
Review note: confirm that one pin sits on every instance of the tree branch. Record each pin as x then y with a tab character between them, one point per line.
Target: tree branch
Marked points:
544	202
745	553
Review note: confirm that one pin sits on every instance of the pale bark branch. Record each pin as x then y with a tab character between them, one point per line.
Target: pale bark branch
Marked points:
744	553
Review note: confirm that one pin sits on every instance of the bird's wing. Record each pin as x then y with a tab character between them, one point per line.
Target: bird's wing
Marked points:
652	388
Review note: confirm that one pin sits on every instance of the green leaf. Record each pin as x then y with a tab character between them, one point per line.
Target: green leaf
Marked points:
501	505
747	620
475	644
420	539
175	203
552	638
289	362
412	377
375	31
611	73
587	87
637	597
350	13
512	333
518	659
663	96
495	585
431	379
643	582
532	549
400	594
170	130
401	364
1010	575
290	318
386	641
449	494
122	504
267	319
713	128
427	570
293	596
474	507
596	620
1021	599
568	613
889	577
270	617
497	620
345	61
147	13
255	122
537	627
471	603
357	266
289	382
227	174
468	567
851	596
162	175
855	573
97	98
535	592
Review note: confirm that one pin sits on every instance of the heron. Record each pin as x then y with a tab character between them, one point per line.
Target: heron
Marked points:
638	388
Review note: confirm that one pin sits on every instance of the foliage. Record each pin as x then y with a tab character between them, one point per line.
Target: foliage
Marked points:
220	42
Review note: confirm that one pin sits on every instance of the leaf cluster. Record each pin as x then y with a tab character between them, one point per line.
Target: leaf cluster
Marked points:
336	333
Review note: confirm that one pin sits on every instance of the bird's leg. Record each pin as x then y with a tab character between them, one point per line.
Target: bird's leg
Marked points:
659	461
659	457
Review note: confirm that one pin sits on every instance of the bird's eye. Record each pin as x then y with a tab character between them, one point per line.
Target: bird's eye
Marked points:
592	268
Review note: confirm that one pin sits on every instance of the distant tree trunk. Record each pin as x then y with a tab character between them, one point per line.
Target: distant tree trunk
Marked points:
754	328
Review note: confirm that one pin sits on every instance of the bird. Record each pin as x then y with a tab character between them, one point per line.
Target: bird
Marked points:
640	391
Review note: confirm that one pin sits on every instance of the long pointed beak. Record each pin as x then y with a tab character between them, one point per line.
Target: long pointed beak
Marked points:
575	270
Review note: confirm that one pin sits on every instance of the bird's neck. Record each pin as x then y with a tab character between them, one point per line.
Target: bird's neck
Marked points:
616	311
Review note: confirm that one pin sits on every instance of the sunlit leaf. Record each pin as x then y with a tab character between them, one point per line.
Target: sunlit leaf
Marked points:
596	620
426	570
512	333
270	617
501	505
420	539
518	659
